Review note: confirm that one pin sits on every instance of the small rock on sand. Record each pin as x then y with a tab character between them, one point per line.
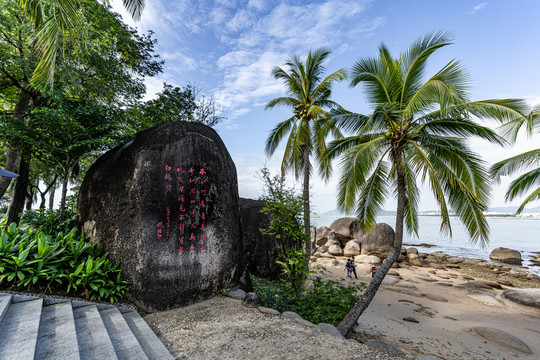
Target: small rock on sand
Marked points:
382	346
435	297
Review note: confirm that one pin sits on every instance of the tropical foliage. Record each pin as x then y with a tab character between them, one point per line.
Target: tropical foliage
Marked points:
306	131
61	264
324	301
418	130
529	159
284	207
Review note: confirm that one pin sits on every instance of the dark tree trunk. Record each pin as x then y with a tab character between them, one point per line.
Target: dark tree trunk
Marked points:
29	201
21	185
64	193
51	198
13	156
346	325
47	189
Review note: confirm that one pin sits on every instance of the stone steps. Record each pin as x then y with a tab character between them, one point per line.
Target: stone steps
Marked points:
35	327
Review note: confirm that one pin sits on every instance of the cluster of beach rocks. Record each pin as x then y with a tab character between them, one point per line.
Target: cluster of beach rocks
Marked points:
343	239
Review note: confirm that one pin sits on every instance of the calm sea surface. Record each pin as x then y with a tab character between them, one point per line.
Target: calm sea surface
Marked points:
518	234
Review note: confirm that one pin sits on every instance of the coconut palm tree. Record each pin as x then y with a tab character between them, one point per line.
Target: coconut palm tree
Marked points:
417	130
51	19
309	97
526	160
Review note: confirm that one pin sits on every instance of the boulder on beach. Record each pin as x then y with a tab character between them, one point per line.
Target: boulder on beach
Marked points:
379	241
506	256
352	248
527	297
331	241
335	250
503	338
345	229
320	235
368	259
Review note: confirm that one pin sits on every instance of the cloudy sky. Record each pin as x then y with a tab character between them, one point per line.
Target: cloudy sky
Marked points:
229	47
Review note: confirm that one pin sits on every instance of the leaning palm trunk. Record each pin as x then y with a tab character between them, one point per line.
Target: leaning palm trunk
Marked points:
346	325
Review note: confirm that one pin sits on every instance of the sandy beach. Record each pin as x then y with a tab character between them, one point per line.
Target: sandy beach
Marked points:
446	303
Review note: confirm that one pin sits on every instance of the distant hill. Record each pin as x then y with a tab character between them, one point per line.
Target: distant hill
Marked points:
503	210
338	214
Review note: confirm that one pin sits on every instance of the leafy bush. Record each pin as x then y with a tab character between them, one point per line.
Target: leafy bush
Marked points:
285	208
34	260
48	221
322	302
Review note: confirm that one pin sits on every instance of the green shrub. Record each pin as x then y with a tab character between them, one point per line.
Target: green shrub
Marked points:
48	221
34	260
322	302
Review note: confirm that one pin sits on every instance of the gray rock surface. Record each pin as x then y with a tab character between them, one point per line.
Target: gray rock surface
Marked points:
320	235
505	255
379	241
260	250
165	206
503	338
335	250
352	248
237	294
527	297
346	229
383	346
330	329
252	300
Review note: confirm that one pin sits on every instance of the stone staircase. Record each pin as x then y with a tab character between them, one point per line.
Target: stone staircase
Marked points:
34	327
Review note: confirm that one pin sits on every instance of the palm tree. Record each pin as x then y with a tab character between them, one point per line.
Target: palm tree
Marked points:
308	96
528	159
51	19
417	130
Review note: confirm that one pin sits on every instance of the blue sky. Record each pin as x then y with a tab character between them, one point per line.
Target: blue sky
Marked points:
228	48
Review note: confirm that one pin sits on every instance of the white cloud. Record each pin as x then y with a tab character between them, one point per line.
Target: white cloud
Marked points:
478	7
285	30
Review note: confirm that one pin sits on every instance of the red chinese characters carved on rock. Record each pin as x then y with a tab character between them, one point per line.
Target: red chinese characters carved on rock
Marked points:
188	207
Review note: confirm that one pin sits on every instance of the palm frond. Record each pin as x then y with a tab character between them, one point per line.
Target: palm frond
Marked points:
277	134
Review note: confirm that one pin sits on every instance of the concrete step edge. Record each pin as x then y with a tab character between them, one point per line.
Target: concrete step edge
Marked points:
151	344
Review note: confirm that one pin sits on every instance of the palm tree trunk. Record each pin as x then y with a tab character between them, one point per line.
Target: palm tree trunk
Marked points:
307	225
346	325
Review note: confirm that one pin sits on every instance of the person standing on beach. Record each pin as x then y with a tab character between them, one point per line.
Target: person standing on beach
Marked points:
353	267
348	268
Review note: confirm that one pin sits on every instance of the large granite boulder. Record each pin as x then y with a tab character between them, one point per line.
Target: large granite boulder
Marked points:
506	256
320	235
379	241
352	248
345	229
260	251
165	206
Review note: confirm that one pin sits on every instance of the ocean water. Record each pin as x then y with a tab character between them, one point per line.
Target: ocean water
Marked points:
513	233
